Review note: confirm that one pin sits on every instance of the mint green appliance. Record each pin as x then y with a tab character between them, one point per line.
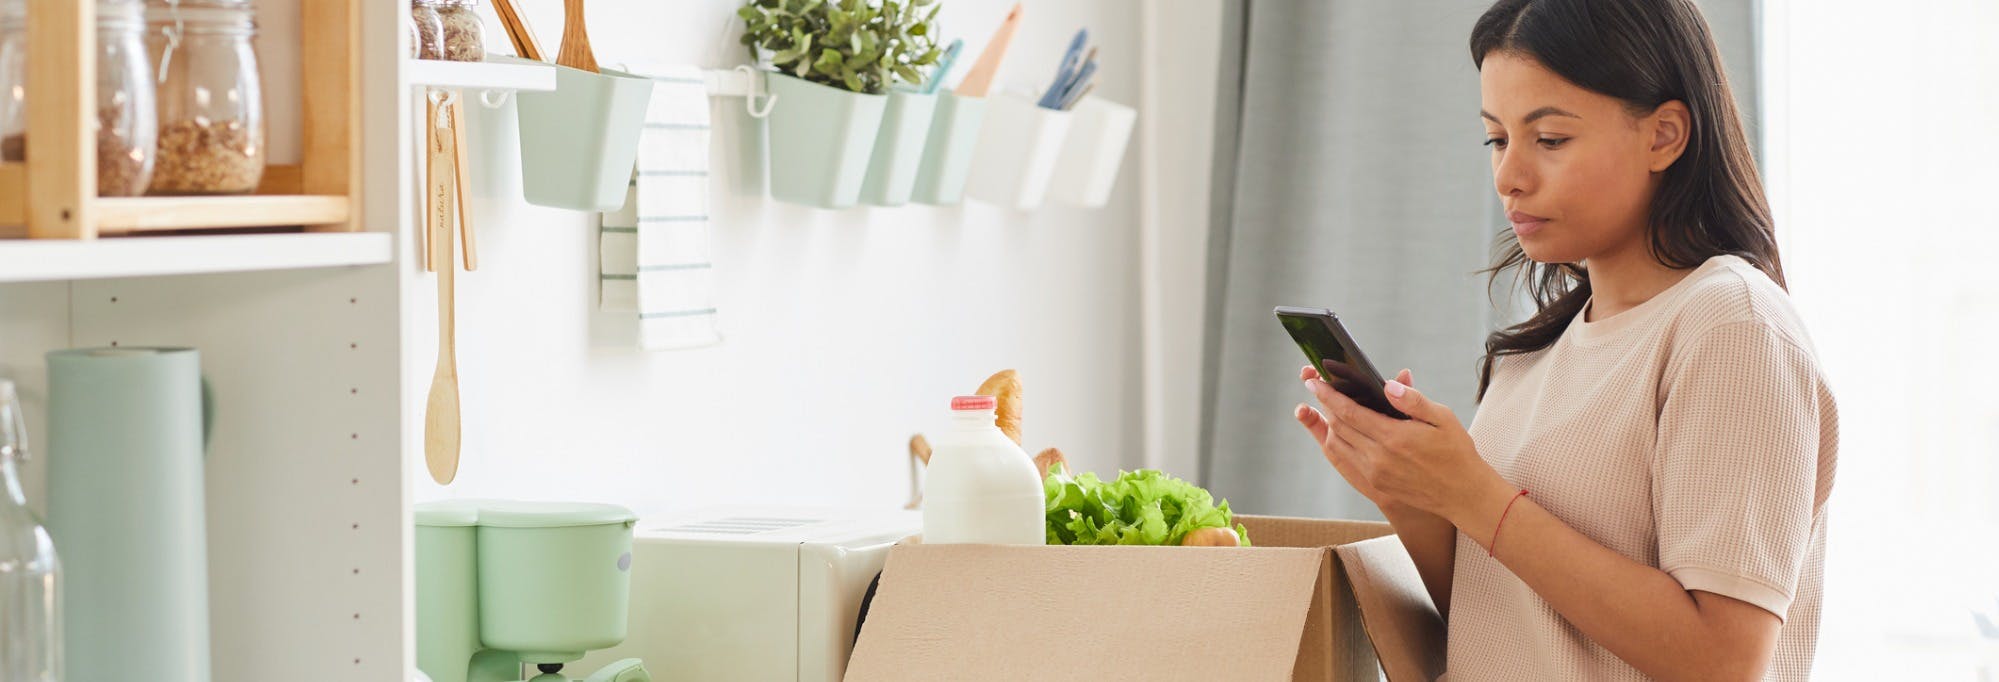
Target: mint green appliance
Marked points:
503	584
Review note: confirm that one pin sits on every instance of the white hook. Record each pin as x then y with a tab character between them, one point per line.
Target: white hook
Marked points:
750	100
443	99
487	98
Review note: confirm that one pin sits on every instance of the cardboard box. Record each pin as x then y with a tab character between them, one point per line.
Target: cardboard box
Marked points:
1313	600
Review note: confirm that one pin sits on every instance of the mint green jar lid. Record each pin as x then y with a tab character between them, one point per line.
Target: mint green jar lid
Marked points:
512	514
517	514
449	513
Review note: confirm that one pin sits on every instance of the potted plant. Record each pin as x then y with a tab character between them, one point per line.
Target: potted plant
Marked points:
834	63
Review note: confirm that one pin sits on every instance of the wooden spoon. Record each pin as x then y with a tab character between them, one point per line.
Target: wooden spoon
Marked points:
575	52
525	44
440	422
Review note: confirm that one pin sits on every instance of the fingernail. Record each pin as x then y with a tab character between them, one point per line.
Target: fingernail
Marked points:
1395	388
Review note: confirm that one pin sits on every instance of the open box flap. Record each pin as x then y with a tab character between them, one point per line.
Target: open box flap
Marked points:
986	612
1395	608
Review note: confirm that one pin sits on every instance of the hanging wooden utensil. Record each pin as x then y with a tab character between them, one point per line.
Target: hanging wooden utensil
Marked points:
429	205
575	52
464	187
980	79
518	32
440	422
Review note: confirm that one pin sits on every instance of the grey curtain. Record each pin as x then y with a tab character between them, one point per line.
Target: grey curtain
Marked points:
1350	176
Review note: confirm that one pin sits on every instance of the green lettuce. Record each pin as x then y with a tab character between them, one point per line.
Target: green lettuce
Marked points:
1144	507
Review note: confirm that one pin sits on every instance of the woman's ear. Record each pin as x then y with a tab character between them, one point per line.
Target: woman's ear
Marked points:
1670	125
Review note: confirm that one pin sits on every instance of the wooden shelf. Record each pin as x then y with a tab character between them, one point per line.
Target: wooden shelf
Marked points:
498	73
29	260
141	214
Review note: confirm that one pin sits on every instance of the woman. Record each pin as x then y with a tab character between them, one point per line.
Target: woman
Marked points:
1642	492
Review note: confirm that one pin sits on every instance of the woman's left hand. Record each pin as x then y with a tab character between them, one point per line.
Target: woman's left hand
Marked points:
1427	462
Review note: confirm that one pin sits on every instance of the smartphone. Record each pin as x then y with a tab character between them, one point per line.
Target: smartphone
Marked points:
1330	348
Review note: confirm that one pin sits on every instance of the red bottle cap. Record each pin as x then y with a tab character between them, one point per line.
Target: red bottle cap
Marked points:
974	402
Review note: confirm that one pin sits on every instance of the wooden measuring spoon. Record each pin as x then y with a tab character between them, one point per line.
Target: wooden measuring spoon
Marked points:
440	419
980	79
575	52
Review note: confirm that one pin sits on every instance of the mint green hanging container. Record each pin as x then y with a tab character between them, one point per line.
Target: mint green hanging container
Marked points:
947	154
580	141
898	148
820	140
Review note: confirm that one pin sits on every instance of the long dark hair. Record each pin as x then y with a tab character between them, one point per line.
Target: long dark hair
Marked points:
1645	53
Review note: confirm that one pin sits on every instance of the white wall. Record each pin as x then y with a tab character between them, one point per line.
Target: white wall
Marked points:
846	331
1182	49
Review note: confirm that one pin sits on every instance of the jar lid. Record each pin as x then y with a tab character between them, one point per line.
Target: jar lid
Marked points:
515	514
198	15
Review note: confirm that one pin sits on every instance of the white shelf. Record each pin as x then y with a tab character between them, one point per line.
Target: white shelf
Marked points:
497	73
28	260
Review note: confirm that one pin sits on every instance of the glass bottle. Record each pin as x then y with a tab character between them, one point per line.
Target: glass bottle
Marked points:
211	110
30	575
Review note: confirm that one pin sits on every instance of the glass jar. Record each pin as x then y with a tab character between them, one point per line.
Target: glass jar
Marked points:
30	574
429	31
211	111
459	34
125	124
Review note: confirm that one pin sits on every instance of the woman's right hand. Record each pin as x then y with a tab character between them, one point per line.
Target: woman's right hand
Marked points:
1343	456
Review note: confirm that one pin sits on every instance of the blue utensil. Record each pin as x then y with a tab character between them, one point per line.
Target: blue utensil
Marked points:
1051	98
944	65
1077	83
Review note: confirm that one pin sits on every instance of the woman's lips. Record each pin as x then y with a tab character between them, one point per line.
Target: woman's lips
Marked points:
1525	223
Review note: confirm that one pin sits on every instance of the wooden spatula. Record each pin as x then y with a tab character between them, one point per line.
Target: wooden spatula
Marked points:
980	79
575	52
440	419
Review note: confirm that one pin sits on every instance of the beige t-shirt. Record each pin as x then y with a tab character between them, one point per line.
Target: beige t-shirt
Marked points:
1694	433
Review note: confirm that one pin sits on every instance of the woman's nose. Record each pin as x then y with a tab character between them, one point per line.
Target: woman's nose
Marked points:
1510	174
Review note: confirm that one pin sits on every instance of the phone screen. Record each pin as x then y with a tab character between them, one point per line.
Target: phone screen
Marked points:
1339	360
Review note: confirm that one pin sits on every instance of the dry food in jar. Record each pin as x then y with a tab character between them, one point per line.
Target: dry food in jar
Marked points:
121	165
458	36
199	156
429	31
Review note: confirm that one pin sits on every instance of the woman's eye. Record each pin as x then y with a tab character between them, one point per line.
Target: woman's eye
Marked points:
1495	142
1553	142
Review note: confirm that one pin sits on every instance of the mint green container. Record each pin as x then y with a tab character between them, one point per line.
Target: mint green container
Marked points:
898	148
126	510
554	579
820	141
947	154
579	141
500	584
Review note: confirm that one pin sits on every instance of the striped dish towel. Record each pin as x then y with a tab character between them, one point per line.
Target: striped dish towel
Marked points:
654	258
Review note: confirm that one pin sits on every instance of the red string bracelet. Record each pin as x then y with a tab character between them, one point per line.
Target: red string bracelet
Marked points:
1494	545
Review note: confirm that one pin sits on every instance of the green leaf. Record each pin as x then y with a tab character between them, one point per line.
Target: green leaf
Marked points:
853	82
829	62
1140	507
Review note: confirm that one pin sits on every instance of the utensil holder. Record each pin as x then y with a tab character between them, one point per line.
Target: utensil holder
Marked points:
1090	159
947	153
898	152
1018	147
820	141
579	141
